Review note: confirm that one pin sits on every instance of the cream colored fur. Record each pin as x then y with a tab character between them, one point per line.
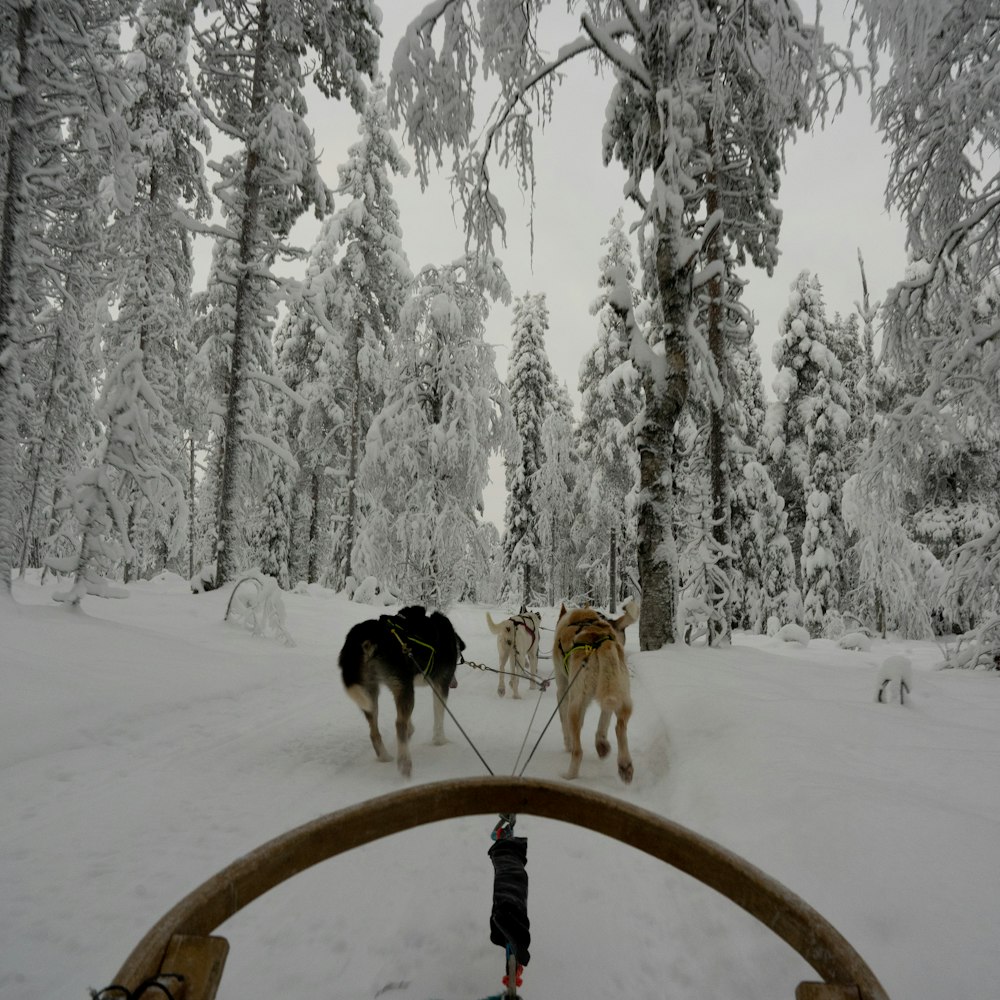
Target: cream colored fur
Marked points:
517	649
588	657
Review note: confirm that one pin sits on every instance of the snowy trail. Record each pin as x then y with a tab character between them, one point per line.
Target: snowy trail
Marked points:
147	744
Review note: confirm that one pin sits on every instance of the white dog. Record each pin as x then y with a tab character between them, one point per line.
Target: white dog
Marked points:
517	645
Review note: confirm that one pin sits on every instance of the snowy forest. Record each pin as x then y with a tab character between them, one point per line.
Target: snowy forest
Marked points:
336	426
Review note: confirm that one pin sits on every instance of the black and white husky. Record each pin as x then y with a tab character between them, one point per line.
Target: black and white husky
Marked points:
399	651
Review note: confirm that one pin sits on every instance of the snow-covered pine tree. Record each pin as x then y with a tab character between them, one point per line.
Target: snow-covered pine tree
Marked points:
931	99
362	300
610	400
657	51
749	113
253	61
126	410
823	545
892	591
530	387
63	97
767	587
807	424
562	482
60	373
152	264
445	412
303	347
277	529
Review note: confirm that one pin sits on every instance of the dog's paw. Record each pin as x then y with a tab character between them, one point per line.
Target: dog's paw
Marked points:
405	766
501	691
625	772
385	756
439	741
603	747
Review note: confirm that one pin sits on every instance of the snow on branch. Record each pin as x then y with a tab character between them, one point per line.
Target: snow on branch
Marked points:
268	445
603	39
278	383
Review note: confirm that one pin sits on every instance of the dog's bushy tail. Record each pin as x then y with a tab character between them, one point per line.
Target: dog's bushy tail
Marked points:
495	627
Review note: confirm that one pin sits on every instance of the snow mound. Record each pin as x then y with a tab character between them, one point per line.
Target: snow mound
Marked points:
855	640
792	633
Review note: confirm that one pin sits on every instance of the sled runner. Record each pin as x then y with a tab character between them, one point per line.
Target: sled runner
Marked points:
179	957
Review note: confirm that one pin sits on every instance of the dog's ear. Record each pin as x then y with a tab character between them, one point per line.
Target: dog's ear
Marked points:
562	611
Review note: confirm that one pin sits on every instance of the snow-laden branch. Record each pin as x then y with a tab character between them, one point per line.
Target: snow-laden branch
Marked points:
268	445
201	228
278	383
603	39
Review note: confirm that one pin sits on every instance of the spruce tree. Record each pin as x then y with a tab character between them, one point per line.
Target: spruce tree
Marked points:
529	384
253	61
610	401
445	412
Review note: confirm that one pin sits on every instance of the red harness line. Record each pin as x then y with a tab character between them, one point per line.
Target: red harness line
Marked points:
523	622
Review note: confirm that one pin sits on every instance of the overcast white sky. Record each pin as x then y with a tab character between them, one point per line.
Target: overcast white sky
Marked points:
831	197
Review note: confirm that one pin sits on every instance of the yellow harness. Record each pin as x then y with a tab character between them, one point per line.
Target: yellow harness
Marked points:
397	633
590	647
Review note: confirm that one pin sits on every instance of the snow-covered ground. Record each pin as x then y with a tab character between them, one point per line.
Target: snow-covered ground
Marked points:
145	744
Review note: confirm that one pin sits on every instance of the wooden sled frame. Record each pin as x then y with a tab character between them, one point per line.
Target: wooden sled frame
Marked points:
180	953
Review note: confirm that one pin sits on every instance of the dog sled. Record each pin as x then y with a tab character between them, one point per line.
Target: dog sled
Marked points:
181	958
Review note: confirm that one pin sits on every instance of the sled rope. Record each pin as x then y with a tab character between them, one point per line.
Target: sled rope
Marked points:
547	724
451	714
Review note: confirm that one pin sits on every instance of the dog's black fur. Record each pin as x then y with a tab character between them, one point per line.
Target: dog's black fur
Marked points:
392	650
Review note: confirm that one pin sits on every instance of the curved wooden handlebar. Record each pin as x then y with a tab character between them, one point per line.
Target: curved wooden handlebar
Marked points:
250	876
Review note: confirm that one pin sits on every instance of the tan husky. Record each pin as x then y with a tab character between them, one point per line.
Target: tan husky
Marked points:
589	661
517	645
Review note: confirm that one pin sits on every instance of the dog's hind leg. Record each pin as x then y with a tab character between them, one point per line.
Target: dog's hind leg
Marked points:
440	697
516	667
404	727
625	770
602	744
366	699
574	722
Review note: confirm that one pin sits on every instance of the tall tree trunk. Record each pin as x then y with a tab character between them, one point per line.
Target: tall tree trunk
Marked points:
12	274
191	506
613	570
719	633
351	527
312	569
665	392
226	567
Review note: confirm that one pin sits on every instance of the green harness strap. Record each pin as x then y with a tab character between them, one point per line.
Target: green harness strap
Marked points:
581	645
396	631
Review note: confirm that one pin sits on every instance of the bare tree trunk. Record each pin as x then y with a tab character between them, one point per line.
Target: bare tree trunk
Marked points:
664	396
719	634
43	447
351	527
613	570
191	506
312	569
12	249
226	567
